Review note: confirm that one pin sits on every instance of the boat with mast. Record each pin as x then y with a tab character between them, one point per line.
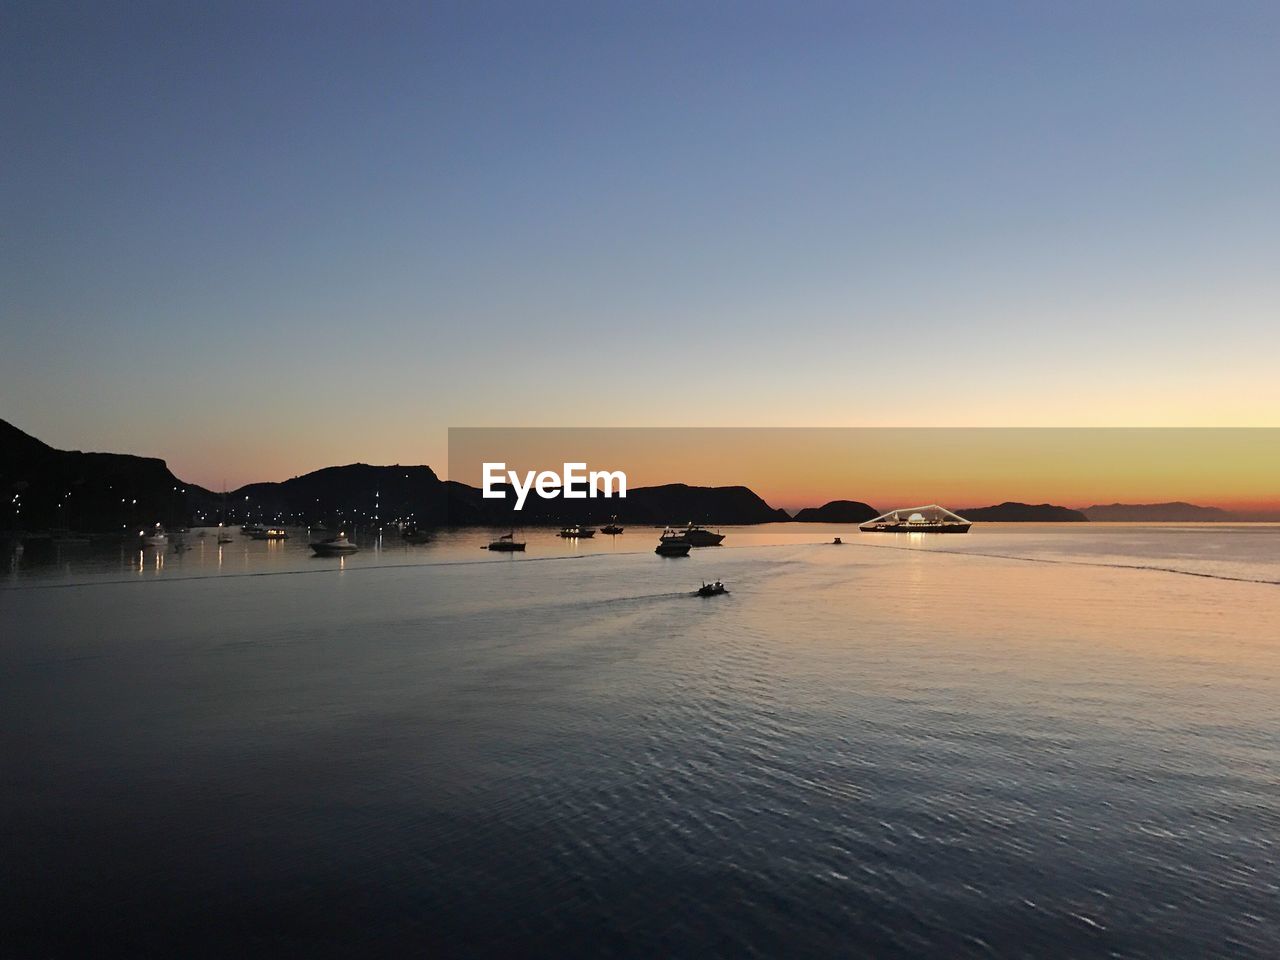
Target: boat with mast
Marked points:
507	543
224	535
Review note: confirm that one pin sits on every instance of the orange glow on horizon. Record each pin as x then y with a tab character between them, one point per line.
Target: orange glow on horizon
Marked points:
1234	469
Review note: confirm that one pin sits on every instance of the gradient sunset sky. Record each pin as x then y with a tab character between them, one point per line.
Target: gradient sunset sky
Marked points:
256	240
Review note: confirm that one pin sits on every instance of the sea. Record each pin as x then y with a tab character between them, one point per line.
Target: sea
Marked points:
1027	741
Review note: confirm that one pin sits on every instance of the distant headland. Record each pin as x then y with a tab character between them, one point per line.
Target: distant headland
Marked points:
46	489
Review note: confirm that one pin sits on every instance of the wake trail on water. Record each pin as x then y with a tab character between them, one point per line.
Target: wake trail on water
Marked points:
1063	561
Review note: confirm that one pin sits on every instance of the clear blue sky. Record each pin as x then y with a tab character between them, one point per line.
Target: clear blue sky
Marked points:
256	239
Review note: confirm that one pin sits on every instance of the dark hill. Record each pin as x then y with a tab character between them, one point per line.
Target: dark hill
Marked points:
1176	512
674	503
1011	512
107	491
93	492
838	511
356	493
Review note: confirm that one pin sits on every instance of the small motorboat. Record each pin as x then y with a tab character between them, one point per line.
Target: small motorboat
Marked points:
837	542
157	538
672	548
712	589
507	543
611	528
576	532
334	546
224	535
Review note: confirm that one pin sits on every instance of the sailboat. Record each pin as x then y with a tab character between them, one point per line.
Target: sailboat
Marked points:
224	535
507	543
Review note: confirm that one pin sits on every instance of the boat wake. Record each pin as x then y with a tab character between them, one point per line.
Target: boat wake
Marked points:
1064	561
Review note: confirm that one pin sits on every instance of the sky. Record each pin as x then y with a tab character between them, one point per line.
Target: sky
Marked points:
259	239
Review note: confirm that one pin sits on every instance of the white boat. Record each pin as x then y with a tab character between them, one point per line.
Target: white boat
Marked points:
156	538
334	546
693	535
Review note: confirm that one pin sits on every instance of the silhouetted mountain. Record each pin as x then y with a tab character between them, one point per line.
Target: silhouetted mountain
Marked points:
675	503
1012	512
354	494
838	511
107	491
46	489
1176	512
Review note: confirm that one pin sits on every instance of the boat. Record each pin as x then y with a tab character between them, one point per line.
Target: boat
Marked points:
611	528
672	548
413	535
576	532
270	533
334	546
157	538
693	535
837	542
507	543
712	589
249	529
224	535
929	519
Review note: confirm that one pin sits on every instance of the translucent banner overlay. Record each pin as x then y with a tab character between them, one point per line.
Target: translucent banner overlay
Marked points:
1236	471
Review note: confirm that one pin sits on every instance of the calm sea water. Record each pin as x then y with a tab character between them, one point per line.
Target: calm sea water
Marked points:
1031	741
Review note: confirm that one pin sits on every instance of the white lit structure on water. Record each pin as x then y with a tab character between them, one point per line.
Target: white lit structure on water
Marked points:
930	519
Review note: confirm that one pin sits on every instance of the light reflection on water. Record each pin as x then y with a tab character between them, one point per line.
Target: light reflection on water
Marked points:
1234	551
884	748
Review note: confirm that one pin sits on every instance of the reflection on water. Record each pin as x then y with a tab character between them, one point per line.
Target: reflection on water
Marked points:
890	748
1232	551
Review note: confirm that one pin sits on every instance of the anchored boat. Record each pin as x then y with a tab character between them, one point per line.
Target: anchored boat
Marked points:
576	532
334	546
507	543
671	548
693	535
930	519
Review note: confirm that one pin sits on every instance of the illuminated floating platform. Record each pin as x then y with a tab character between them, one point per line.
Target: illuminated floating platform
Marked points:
930	519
